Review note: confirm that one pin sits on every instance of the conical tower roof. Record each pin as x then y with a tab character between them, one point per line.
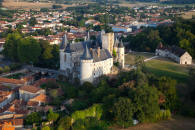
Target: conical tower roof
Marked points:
116	43
121	44
86	54
64	42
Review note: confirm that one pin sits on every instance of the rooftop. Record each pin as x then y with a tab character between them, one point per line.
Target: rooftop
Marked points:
12	81
31	89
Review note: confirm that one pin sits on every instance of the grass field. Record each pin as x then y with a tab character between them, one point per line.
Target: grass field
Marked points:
163	67
176	123
130	57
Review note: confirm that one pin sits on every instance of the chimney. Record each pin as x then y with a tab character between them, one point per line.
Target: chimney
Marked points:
98	51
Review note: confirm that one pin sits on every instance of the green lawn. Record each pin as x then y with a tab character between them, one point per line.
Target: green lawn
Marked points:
130	57
161	67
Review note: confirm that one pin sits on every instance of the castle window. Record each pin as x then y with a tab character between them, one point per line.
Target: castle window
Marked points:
64	57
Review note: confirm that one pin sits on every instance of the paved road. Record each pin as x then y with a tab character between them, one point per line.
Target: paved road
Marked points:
148	59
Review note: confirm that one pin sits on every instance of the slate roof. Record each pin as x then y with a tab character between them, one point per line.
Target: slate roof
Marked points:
121	44
86	54
64	42
177	51
173	49
80	47
104	54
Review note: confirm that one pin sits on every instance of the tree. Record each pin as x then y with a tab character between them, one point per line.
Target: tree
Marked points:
11	44
45	128
145	100
34	117
64	123
168	87
32	21
29	51
89	123
123	112
52	116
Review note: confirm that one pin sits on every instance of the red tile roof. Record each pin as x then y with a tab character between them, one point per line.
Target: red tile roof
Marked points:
12	81
31	89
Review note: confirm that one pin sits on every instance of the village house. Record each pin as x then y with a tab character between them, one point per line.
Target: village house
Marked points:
11	124
12	82
6	96
29	92
175	53
121	29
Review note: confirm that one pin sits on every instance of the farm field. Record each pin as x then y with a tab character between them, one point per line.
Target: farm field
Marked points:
30	5
176	123
188	15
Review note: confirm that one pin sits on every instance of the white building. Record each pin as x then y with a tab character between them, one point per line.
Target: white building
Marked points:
121	29
175	53
6	97
78	61
29	92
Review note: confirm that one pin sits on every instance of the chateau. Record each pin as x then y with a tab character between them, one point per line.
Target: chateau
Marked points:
175	53
90	59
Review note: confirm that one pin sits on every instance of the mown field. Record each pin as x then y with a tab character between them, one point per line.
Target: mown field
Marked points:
161	66
164	67
130	57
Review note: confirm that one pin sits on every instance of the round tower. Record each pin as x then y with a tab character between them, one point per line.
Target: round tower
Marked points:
86	68
121	56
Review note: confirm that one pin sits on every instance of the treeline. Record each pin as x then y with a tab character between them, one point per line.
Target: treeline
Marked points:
30	51
181	33
6	13
179	2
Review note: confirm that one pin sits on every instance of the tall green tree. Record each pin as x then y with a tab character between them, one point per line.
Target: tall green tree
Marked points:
32	21
145	100
11	46
29	50
52	116
123	112
168	87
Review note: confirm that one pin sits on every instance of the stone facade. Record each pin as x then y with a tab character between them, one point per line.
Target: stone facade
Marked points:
175	53
81	60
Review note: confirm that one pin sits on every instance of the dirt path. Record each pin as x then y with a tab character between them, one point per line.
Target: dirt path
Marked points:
176	123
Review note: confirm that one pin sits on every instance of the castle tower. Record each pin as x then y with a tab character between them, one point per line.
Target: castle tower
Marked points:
62	53
121	54
116	44
107	41
86	69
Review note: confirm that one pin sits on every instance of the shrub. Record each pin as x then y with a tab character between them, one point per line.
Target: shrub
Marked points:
6	69
64	123
163	115
93	111
90	123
